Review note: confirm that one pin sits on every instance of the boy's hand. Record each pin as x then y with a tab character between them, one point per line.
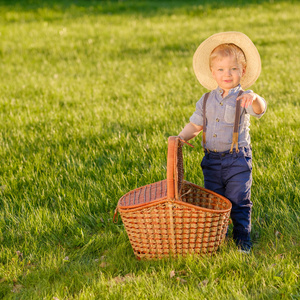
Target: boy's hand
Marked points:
253	99
247	99
182	141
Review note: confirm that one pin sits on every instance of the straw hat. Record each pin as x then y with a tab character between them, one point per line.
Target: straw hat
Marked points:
201	58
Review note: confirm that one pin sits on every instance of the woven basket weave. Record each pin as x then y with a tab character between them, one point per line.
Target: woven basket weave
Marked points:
174	217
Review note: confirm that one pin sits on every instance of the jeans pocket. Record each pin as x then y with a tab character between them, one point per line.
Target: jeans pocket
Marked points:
248	160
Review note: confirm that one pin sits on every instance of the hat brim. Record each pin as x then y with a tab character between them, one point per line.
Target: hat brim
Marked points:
202	54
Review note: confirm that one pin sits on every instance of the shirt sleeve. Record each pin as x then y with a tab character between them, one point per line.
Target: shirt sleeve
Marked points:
197	116
250	111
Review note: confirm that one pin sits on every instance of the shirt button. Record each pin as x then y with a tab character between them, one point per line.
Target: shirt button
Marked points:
221	103
214	135
217	119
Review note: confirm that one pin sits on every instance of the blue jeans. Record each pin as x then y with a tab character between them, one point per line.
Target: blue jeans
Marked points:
230	175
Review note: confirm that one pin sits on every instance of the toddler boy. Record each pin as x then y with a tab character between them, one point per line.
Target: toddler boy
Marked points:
227	63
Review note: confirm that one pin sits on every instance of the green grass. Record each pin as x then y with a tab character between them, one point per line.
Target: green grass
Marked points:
89	93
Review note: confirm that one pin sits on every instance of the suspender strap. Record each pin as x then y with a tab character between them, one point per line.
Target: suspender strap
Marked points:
235	136
204	120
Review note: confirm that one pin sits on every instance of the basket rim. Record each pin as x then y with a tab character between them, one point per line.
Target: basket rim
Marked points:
140	206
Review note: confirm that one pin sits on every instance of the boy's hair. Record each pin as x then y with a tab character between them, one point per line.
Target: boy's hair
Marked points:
225	50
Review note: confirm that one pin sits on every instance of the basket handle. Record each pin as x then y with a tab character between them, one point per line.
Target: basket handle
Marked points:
172	177
172	144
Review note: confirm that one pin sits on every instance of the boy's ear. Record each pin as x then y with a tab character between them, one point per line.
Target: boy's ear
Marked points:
244	71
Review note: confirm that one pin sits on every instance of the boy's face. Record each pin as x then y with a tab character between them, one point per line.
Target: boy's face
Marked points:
227	72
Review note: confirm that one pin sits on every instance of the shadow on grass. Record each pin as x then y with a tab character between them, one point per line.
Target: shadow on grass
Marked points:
143	8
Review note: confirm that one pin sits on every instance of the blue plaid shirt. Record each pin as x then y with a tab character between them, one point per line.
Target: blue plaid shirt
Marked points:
220	114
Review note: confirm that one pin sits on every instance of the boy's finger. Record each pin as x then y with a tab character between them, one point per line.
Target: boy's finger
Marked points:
243	103
247	103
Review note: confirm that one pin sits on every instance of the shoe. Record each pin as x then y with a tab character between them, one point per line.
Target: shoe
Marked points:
244	251
244	246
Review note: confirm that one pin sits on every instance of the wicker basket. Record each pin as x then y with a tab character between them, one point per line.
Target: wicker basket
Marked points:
174	217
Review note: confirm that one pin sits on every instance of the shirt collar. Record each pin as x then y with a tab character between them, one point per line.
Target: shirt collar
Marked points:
231	92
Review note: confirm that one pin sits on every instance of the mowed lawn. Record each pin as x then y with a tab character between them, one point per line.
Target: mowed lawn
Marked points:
90	91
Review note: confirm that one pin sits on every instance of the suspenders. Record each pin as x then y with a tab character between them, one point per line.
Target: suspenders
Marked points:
235	136
204	121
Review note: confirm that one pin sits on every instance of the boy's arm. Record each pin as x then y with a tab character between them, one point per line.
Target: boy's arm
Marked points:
190	131
255	100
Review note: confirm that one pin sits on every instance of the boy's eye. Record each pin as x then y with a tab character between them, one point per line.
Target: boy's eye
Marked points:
234	69
220	69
